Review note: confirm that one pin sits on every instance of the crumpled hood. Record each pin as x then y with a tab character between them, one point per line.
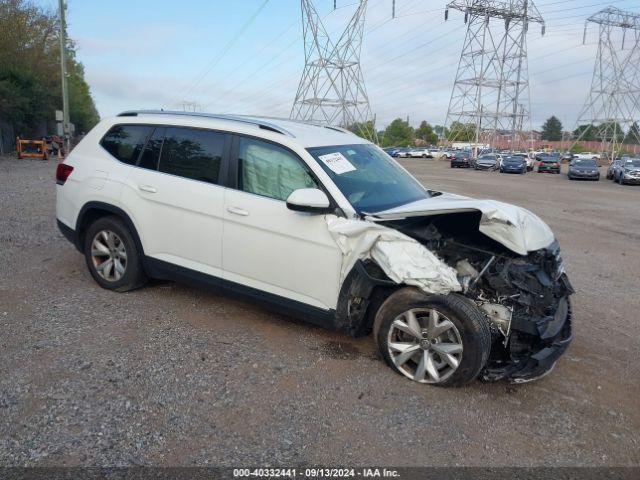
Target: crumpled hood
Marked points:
515	227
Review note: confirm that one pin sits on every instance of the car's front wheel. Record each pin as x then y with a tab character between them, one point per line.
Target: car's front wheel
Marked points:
442	340
112	257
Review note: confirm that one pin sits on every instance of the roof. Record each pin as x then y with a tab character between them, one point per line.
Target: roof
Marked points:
306	134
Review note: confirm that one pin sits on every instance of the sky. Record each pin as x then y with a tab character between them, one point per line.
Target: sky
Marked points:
246	56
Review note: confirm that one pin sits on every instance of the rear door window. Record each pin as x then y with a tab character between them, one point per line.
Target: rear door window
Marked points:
192	153
151	154
125	142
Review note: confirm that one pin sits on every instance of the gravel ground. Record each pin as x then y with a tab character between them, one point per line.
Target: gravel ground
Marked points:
172	375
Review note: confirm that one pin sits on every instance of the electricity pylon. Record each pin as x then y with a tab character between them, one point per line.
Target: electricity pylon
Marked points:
613	105
490	95
331	90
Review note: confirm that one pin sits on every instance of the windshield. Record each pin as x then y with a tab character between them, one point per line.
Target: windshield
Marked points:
518	160
367	177
487	157
585	163
635	163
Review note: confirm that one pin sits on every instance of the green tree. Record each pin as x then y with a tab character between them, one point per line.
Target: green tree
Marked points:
610	131
462	132
425	132
587	133
441	131
364	129
30	70
552	129
398	133
633	135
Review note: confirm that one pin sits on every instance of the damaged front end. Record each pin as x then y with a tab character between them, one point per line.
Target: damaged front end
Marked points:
525	298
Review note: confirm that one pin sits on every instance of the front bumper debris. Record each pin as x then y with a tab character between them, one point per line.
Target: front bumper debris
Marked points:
534	347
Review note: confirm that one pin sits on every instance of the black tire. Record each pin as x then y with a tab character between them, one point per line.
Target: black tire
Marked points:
469	321
134	275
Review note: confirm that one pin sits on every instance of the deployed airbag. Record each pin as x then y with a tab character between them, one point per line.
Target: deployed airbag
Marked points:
402	258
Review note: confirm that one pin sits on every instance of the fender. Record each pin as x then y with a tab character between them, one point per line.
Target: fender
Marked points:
87	212
362	292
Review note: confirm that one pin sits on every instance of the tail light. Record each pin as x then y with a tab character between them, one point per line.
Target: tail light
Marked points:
62	173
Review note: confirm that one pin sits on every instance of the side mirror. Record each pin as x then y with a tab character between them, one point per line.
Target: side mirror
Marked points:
310	200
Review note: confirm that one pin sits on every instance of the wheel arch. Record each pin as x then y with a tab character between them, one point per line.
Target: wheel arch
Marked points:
363	291
92	211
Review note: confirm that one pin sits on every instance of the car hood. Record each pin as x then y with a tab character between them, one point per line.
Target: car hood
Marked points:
516	228
585	169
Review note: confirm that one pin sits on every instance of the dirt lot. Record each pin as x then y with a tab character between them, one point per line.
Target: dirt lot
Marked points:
172	375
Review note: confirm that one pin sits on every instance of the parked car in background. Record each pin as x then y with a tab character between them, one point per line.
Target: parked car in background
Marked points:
513	164
402	153
586	156
489	161
437	153
566	157
461	159
391	151
548	164
529	162
420	152
617	163
584	169
542	155
628	172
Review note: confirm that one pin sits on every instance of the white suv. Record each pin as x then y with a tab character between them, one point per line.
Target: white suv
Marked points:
324	226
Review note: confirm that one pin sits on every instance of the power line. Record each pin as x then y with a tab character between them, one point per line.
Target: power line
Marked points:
214	61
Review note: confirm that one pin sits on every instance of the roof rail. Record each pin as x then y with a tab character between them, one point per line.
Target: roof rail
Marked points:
312	123
338	129
233	118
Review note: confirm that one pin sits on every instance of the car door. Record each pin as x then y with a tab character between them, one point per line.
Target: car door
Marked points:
176	198
268	247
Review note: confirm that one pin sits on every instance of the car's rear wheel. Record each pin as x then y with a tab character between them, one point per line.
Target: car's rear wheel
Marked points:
441	340
112	257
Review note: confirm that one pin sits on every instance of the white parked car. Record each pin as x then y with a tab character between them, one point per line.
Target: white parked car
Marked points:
586	156
323	225
420	152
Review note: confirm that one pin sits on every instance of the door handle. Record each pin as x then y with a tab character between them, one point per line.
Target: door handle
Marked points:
237	211
147	188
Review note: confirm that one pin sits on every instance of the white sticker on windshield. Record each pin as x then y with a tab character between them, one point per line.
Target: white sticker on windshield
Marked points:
337	163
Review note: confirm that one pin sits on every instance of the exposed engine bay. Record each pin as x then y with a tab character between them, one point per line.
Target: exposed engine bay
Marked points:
525	298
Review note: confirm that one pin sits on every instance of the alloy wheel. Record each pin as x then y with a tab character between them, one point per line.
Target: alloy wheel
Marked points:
109	255
425	345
